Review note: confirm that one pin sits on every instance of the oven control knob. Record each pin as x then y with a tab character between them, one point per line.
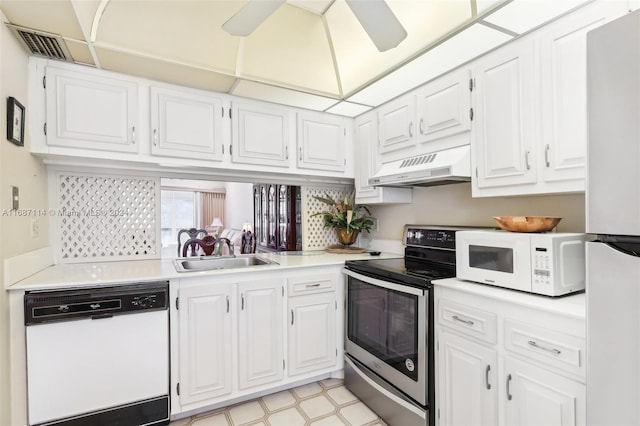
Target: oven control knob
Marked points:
409	234
418	235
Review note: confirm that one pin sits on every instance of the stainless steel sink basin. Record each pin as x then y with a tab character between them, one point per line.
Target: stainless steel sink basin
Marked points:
208	263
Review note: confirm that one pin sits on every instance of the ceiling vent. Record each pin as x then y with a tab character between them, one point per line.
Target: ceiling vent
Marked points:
46	45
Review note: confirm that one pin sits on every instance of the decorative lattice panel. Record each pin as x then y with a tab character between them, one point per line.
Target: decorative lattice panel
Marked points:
316	237
107	217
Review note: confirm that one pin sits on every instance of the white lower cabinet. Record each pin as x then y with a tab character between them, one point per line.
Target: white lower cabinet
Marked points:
536	396
312	341
204	320
467	379
526	367
238	336
260	352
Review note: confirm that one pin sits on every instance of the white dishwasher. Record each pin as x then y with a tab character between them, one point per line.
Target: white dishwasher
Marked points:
98	356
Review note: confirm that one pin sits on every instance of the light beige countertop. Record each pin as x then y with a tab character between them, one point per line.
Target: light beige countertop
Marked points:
120	272
573	305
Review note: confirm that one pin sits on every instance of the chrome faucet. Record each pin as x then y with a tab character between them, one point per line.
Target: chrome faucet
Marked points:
220	242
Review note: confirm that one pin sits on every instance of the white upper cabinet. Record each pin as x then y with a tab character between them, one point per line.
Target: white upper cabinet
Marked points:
504	128
397	125
184	124
91	111
260	134
366	164
444	109
563	82
321	142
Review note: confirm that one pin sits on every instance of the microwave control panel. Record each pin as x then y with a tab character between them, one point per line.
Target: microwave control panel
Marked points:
542	265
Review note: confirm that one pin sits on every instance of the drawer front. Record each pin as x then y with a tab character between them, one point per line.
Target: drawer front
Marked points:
470	321
308	285
548	346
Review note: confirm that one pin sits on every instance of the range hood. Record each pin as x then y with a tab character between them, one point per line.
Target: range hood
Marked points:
435	168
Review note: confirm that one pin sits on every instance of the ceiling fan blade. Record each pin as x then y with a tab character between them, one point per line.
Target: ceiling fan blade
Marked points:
377	19
252	14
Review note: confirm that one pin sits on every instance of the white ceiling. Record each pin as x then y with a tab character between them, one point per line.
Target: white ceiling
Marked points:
310	53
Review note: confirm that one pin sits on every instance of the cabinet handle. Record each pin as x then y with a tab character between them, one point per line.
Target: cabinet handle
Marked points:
509	396
227	304
486	376
133	134
300	149
411	129
313	285
155	137
457	318
292	317
526	159
242	301
422	126
546	155
286	152
535	344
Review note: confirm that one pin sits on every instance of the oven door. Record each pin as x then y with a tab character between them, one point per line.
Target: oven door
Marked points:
387	331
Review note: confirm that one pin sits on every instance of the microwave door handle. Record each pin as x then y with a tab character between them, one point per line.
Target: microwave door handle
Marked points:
384	284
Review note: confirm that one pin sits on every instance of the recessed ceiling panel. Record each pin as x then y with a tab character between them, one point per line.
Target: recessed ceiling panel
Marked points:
359	62
348	109
163	71
264	92
290	48
463	47
52	16
79	52
521	16
184	31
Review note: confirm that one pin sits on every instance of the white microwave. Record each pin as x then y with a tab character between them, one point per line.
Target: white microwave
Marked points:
551	264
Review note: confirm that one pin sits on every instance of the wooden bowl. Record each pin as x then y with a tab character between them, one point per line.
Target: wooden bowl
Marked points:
527	223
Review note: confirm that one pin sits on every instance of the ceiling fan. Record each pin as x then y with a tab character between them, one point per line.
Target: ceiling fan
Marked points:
375	16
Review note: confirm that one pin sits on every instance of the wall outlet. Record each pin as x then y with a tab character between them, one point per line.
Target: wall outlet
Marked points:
35	228
15	198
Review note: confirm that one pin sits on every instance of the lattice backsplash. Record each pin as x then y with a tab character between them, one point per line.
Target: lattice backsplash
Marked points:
315	236
110	217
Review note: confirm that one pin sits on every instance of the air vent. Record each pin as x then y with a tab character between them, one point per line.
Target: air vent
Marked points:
415	161
39	43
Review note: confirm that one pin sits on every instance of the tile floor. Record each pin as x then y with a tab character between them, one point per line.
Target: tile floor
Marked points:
324	403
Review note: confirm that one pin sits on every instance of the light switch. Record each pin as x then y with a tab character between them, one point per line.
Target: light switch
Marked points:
15	198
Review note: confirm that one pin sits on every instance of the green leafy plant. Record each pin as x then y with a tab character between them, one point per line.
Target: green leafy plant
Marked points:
344	213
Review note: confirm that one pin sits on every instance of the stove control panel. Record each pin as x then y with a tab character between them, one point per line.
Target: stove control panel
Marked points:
441	238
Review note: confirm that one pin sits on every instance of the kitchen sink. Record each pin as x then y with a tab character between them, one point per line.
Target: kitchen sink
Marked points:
208	263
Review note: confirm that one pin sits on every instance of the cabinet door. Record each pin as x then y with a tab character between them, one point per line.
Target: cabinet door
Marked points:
367	163
91	111
204	320
321	142
312	340
397	125
563	55
467	385
444	107
186	125
535	396
261	357
260	134
504	132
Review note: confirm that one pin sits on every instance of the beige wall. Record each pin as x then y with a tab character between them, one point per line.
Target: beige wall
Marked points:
19	168
453	205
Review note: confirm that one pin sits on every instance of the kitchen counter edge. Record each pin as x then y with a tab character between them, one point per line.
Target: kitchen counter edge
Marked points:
96	274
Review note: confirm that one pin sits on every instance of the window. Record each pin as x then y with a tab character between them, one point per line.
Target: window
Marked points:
178	212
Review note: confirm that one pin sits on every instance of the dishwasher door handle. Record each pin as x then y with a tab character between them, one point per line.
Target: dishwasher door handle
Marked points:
101	316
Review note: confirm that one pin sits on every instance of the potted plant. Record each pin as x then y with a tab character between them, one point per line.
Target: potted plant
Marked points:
347	218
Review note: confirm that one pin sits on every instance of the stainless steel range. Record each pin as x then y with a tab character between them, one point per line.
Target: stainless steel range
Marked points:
389	332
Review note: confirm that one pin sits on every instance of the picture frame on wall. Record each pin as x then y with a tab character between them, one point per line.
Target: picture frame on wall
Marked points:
15	121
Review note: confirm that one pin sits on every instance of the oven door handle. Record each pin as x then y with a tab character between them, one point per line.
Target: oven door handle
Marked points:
384	284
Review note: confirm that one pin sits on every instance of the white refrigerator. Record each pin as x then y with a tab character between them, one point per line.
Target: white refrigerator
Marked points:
613	214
